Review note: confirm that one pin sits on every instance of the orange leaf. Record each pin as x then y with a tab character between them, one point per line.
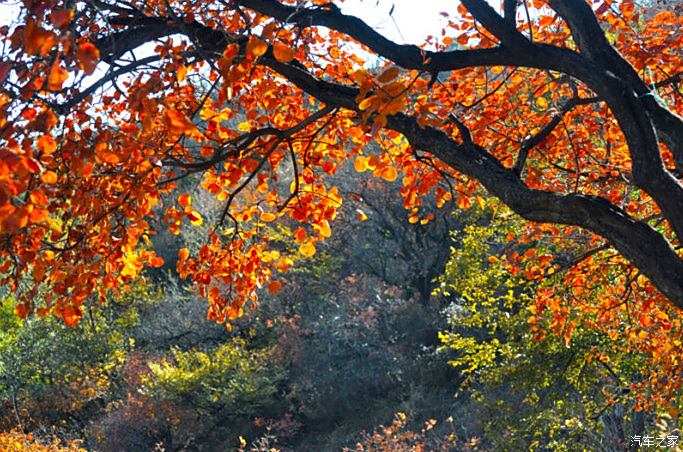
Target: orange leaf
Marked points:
256	47
71	315
464	202
156	262
299	235
49	177
389	174
38	198
268	217
60	18
56	77
88	56
283	53
646	321
388	75
184	200
15	220
21	310
47	144
372	162
360	164
38	41
366	103
274	287
178	122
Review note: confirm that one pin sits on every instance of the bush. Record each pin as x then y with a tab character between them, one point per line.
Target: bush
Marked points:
16	441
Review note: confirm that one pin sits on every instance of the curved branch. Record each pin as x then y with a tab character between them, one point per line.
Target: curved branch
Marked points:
635	240
538	138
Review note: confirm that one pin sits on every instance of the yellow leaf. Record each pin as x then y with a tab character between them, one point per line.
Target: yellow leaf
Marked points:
542	103
307	249
181	73
183	254
195	218
325	230
268	217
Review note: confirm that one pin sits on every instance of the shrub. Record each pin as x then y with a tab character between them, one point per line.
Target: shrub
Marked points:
16	441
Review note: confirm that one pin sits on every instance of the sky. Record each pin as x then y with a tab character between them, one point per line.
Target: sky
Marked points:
410	22
402	21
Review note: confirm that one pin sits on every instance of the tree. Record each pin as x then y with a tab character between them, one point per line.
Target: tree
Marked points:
545	392
567	111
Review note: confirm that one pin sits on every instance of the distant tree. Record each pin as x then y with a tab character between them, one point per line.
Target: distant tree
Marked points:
566	391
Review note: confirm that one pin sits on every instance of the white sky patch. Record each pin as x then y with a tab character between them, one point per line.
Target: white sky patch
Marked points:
402	21
410	22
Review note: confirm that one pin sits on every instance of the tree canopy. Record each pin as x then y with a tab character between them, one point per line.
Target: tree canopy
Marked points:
567	111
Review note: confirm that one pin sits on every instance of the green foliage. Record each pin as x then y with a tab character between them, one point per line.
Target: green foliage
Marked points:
230	377
538	391
48	369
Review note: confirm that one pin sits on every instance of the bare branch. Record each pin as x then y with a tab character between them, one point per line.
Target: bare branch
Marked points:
539	137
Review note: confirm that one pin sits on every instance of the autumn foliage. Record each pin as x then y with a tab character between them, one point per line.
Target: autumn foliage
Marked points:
567	111
14	441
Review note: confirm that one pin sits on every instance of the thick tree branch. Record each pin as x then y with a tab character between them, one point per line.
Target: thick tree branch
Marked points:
503	29
635	240
510	11
535	55
538	138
